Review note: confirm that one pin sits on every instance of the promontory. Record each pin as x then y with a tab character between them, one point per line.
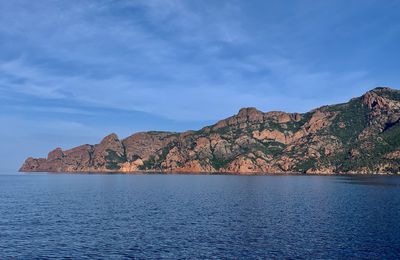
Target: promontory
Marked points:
360	136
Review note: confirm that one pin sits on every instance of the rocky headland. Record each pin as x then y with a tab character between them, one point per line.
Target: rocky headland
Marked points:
361	136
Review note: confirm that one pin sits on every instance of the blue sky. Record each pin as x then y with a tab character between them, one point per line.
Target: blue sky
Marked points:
73	71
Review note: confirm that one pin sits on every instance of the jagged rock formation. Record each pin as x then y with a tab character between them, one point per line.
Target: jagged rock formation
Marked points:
360	136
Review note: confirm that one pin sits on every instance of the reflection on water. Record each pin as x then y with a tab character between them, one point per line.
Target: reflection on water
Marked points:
372	180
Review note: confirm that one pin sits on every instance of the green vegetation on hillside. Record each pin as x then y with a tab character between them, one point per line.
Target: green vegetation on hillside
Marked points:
113	159
354	117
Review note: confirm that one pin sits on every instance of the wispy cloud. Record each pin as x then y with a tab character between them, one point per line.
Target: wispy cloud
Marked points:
146	55
176	100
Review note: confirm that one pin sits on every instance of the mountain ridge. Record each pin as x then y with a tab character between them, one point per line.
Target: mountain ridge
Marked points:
360	136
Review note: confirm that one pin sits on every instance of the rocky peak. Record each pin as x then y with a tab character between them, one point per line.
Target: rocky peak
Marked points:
379	90
111	138
110	142
250	114
244	111
55	154
373	100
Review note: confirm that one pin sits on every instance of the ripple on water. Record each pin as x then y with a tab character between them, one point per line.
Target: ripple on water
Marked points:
200	216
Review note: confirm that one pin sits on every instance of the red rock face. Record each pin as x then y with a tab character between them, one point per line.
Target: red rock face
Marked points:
55	154
102	151
360	136
143	145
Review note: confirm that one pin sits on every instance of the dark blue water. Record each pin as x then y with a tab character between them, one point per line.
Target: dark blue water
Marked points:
186	216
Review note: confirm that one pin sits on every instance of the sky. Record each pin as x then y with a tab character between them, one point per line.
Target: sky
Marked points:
72	72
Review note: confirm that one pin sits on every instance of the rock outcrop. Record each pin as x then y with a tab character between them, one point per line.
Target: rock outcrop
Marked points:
360	136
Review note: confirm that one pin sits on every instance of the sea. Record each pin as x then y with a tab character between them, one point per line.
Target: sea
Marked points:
175	216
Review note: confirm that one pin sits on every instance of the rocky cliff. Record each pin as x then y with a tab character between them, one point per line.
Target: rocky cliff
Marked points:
360	136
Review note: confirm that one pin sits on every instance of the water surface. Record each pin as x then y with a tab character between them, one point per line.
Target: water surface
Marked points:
198	216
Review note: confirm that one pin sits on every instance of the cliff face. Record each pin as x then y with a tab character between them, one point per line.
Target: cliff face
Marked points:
360	136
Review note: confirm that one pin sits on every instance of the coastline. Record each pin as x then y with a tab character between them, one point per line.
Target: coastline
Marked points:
207	173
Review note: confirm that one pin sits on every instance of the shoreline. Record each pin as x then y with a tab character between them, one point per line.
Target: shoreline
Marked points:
210	173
